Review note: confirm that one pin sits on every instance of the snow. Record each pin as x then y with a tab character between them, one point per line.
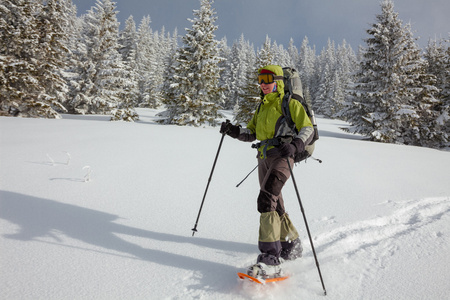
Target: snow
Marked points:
92	209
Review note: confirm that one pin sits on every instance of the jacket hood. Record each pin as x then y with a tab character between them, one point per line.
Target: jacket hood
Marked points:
279	72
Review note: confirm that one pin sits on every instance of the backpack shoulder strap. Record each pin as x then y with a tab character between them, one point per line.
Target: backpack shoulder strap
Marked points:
285	110
259	107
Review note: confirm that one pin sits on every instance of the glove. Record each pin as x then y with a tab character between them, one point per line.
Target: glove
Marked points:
287	150
299	145
230	129
225	127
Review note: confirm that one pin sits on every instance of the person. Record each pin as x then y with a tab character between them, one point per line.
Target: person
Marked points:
277	235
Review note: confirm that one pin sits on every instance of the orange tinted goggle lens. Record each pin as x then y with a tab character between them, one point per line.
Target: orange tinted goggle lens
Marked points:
267	78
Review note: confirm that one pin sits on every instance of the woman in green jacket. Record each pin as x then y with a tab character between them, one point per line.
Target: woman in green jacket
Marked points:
278	142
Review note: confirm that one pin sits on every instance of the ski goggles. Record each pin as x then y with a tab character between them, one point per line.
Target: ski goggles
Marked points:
268	78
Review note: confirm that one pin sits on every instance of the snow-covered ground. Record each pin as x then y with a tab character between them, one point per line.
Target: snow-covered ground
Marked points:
92	209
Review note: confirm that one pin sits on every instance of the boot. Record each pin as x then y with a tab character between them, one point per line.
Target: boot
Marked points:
291	250
267	266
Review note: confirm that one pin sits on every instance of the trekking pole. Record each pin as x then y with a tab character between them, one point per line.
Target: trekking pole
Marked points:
209	180
307	227
246	176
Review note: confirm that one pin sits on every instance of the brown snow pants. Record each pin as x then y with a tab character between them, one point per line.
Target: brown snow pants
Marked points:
275	227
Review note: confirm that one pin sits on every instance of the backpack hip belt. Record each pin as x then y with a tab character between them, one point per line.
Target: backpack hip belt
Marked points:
276	141
265	144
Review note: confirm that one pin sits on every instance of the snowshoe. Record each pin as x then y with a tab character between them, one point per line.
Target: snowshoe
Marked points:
263	271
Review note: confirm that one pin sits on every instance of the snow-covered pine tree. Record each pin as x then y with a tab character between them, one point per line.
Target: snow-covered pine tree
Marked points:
128	40
128	49
52	22
324	102
74	59
335	67
346	66
248	97
109	75
281	56
24	69
445	95
418	97
80	72
195	84
294	56
144	59
265	55
437	55
170	63
146	63
163	48
128	94
242	58
381	94
351	105
306	66
226	76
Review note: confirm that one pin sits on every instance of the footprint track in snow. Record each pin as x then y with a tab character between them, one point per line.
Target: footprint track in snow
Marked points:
408	217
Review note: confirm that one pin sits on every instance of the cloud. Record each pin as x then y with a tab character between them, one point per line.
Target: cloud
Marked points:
283	19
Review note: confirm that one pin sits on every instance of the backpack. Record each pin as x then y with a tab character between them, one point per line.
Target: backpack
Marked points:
293	90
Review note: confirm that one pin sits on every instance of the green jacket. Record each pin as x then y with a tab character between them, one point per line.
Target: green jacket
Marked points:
265	122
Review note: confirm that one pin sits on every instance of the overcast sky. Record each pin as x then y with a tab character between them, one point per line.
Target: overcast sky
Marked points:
283	19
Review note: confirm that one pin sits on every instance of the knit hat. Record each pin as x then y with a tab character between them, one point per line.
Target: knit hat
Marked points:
264	71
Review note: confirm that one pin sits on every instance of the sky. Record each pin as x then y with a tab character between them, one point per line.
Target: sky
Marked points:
282	20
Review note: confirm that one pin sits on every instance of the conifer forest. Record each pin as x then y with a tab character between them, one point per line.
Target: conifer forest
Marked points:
54	61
